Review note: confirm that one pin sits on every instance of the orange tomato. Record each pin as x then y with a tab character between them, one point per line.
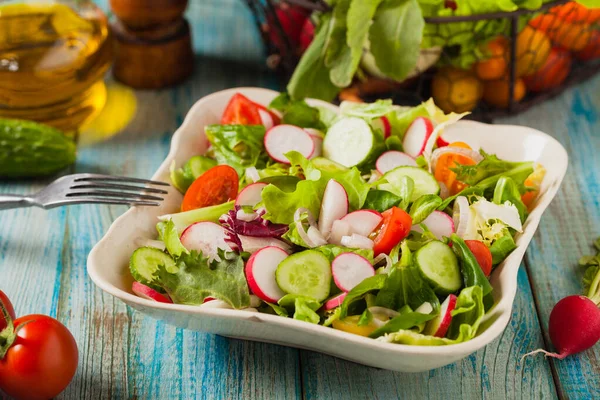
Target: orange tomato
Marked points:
554	71
443	172
216	186
496	93
592	49
496	64
533	48
456	90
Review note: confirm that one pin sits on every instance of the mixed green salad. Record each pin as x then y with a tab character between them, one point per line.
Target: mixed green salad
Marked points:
367	221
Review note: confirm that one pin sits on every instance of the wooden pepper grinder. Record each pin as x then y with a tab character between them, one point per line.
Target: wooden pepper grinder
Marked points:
153	46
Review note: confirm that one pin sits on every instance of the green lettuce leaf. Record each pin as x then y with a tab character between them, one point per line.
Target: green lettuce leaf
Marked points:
240	146
311	76
167	232
196	279
470	269
423	206
401	119
502	247
369	111
490	166
304	307
507	190
405	320
381	200
395	37
370	284
331	251
297	112
183	177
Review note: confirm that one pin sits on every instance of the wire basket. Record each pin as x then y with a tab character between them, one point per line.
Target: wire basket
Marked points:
519	59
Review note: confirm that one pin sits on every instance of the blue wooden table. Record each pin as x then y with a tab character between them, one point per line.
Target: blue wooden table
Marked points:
124	354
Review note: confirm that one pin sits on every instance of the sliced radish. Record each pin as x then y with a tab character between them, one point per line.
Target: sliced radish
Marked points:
334	206
334	302
416	136
461	216
250	195
253	244
339	229
205	237
383	124
425	308
260	273
317	137
350	269
393	159
355	241
315	236
282	139
439	223
266	118
252	174
440	324
363	222
148	293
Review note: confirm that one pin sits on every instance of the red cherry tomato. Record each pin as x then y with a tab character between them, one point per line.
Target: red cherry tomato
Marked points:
216	186
554	71
9	307
393	229
42	360
241	110
482	254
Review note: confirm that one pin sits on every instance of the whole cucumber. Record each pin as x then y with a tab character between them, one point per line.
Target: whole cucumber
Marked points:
30	149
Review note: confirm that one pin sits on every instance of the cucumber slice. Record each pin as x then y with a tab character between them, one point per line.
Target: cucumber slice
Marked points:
144	263
307	273
327	165
439	267
425	183
351	142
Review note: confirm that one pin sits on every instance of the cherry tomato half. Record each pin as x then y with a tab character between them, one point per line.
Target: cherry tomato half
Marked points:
241	110
393	229
216	186
482	254
9	307
42	360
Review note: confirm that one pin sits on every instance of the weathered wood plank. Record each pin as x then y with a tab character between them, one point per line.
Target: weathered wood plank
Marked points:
493	372
571	223
123	353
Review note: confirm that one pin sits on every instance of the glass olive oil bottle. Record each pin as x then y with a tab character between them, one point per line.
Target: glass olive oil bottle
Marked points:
53	57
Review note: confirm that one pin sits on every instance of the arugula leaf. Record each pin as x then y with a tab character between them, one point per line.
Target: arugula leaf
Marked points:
311	76
502	247
405	320
375	282
297	112
365	318
304	307
467	317
395	37
167	232
345	64
507	190
423	206
197	279
240	146
184	219
490	165
471	271
381	200
331	251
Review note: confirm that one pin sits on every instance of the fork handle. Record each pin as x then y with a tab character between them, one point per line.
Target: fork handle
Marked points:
8	201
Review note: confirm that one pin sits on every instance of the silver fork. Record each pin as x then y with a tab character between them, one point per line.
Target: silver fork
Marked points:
90	188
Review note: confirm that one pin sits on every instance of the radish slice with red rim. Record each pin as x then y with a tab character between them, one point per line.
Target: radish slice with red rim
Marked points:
439	325
439	223
266	118
362	222
393	159
333	207
416	136
334	302
355	241
250	195
260	273
350	269
282	139
148	293
205	237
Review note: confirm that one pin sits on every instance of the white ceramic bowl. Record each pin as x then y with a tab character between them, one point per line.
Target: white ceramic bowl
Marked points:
108	261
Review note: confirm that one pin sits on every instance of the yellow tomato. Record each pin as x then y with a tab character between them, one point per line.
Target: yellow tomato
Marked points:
533	48
350	325
456	90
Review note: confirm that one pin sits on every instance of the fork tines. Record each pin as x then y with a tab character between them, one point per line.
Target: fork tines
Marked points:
106	189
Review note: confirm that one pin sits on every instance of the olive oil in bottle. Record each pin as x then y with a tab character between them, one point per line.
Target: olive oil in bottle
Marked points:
53	57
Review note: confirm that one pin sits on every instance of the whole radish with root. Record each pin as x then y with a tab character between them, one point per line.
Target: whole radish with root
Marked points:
574	324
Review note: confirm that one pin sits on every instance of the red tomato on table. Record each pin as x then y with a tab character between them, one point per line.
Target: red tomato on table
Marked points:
9	307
